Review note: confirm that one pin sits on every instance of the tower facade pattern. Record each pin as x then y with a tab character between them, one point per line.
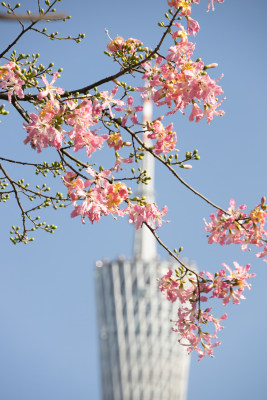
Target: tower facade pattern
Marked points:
139	354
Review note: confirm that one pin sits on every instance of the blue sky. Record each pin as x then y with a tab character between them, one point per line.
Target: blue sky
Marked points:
48	337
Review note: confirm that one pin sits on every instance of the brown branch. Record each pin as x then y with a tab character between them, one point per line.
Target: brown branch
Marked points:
17	38
130	68
23	213
181	263
32	17
149	150
73	158
21	110
27	29
69	165
29	97
20	162
169	251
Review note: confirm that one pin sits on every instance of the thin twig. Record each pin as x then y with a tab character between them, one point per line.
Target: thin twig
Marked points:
169	251
23	213
20	162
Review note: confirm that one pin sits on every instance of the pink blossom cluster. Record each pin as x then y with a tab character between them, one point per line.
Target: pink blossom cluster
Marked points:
46	127
179	81
185	6
100	196
81	117
228	287
235	226
192	291
44	131
165	136
11	81
85	115
176	82
148	213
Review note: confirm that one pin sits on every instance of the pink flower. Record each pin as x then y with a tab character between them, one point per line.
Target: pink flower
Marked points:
190	331
217	284
196	113
181	49
165	136
238	227
132	44
88	139
130	111
211	3
50	89
109	99
11	81
193	322
263	253
101	198
230	286
81	117
146	92
115	44
184	5
169	286
223	229
192	26
180	33
115	140
116	194
74	183
239	276
211	109
99	177
92	207
120	160
148	213
176	86
41	131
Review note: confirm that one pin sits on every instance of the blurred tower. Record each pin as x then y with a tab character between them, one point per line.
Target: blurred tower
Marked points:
139	354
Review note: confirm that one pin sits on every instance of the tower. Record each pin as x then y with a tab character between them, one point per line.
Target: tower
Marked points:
139	354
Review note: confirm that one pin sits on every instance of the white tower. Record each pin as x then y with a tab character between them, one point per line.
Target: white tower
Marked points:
139	354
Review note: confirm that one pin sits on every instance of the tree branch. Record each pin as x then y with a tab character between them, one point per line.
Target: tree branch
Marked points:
33	17
128	69
149	150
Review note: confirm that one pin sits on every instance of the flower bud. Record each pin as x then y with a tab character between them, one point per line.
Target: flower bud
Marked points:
213	65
